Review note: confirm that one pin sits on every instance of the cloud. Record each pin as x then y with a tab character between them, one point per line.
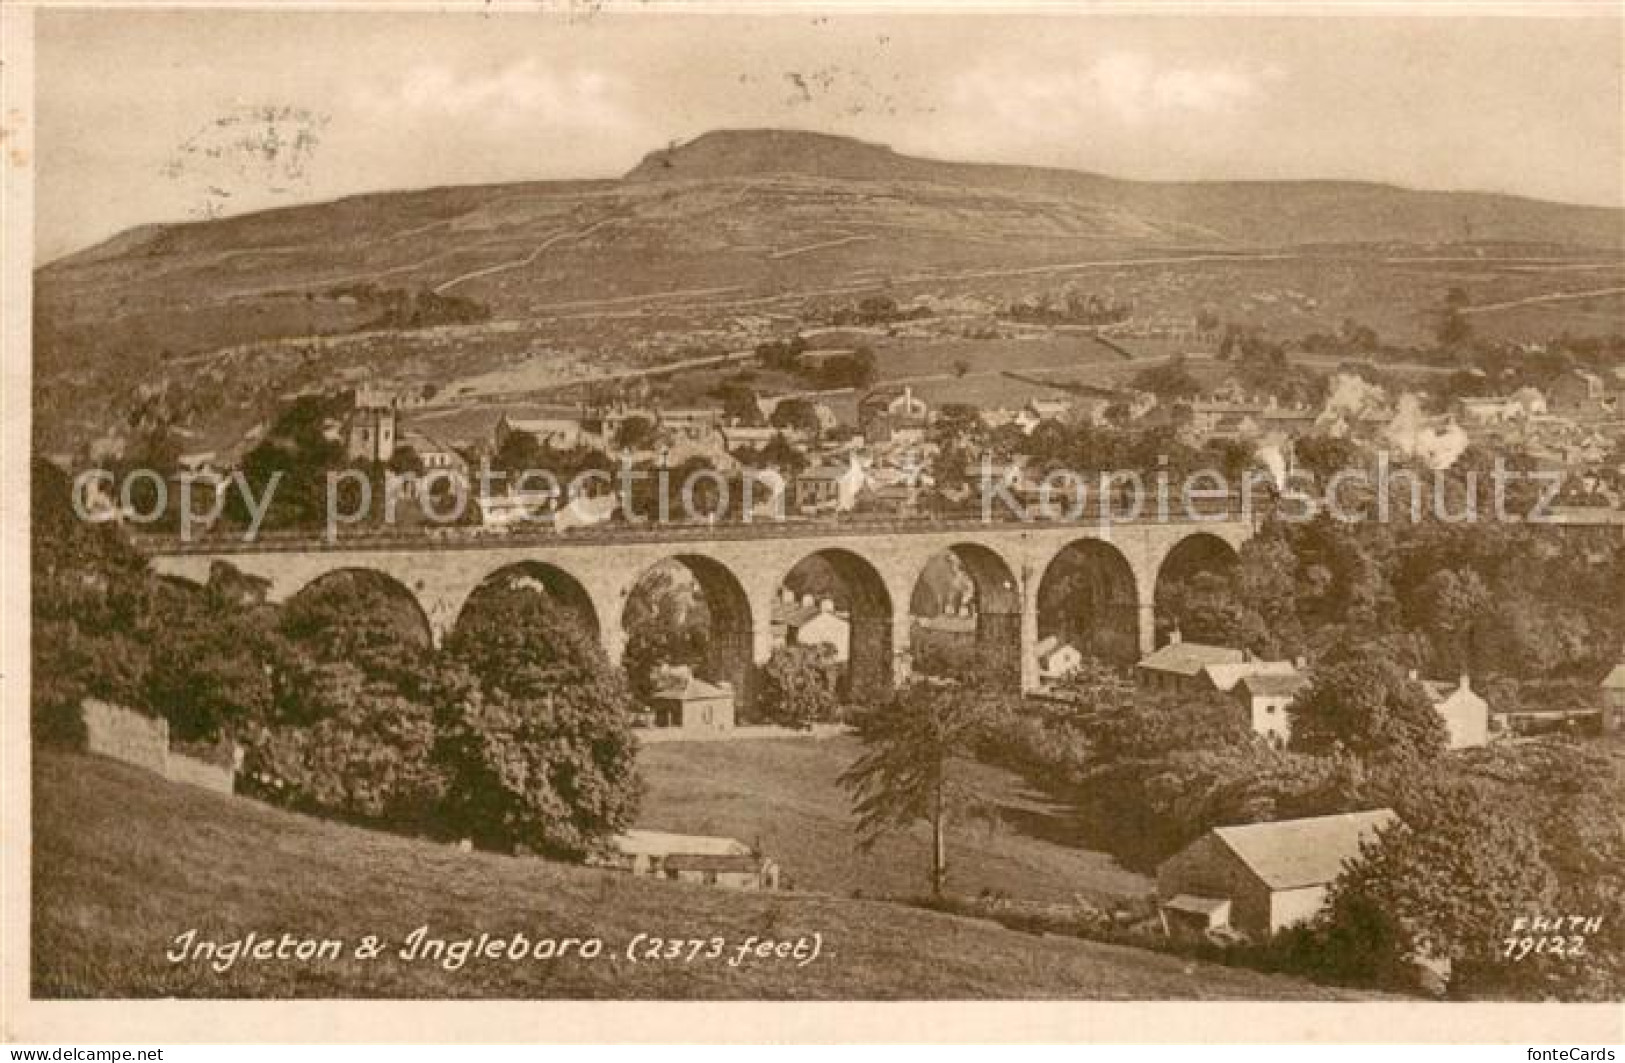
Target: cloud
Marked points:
1132	88
525	91
1135	89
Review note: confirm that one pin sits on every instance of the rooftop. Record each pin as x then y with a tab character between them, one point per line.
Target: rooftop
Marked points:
638	842
1291	853
685	687
1225	676
1189	658
1275	686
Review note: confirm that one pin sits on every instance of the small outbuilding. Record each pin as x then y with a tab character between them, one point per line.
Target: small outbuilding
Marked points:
1260	878
680	699
704	859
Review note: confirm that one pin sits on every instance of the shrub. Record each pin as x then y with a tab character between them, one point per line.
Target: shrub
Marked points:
799	685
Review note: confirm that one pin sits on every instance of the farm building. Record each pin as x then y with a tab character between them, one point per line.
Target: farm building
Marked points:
1261	877
703	859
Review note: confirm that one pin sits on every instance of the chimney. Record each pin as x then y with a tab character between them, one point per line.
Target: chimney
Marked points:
807	599
827	605
1173	637
1301	663
787	596
1466	683
1413	675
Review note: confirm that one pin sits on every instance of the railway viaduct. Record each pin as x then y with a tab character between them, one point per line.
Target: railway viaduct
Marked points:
741	568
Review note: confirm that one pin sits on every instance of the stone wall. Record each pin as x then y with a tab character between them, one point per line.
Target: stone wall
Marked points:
125	735
116	732
181	768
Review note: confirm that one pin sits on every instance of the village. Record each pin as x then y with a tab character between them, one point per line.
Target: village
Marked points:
886	452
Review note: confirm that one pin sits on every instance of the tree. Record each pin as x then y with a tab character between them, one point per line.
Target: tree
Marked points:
1168	380
1365	704
958	423
1325	455
636	433
1442	884
539	754
1205	608
368	751
740	405
212	665
667	623
912	767
90	602
1452	603
358	617
297	453
800	684
797	415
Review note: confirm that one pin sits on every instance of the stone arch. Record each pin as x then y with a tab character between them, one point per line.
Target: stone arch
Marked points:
728	615
1088	597
556	582
857	589
1195	553
974	596
414	620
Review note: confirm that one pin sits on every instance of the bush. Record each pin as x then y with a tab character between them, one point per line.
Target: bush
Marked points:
537	744
555	775
369	755
799	686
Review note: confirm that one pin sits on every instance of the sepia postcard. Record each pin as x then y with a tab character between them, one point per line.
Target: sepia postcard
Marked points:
608	521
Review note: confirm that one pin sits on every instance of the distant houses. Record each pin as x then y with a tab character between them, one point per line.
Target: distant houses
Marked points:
893	414
1261	878
811	621
1264	689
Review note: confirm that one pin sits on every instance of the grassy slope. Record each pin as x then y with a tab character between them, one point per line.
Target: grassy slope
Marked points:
785	794
123	861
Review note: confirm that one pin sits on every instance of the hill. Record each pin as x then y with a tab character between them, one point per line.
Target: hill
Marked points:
735	237
1255	213
123	862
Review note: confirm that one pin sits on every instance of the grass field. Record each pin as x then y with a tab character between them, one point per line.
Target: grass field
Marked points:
124	861
784	793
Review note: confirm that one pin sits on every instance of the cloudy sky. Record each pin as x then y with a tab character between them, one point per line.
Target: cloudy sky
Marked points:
162	116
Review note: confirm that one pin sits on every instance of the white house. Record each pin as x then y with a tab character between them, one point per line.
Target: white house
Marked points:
1056	659
1265	698
810	622
1466	714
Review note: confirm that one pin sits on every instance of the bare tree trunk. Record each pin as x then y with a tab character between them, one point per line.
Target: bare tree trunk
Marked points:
939	847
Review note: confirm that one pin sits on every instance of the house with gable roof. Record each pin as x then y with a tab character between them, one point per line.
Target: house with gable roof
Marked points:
1260	878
